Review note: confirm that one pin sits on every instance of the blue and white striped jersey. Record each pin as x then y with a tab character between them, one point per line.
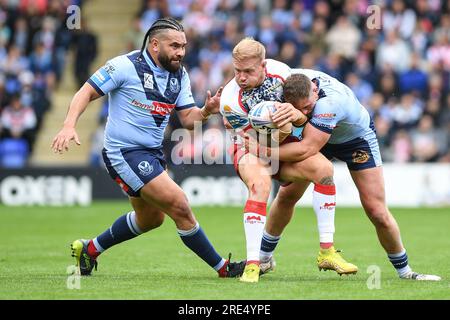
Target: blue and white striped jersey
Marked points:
141	97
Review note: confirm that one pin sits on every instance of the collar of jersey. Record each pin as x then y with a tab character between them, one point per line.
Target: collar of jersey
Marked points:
152	63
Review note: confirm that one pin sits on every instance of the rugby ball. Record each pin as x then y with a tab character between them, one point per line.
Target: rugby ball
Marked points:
259	117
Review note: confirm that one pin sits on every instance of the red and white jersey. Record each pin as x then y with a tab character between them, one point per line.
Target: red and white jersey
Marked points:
235	103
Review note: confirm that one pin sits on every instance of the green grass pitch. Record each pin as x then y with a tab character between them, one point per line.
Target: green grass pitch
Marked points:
34	256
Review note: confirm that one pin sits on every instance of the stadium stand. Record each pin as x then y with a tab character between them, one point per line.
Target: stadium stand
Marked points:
400	70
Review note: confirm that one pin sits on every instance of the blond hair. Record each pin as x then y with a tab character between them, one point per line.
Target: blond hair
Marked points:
248	48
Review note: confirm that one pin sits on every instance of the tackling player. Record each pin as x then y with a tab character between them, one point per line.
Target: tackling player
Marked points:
340	127
257	79
143	88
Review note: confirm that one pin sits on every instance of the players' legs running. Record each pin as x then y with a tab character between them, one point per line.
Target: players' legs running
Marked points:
370	184
320	171
130	225
163	193
143	219
281	212
256	176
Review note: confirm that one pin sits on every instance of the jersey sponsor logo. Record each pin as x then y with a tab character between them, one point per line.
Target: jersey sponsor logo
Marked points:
145	168
162	108
360	156
253	219
100	77
109	68
156	108
319	124
324	115
328	206
174	85
148	81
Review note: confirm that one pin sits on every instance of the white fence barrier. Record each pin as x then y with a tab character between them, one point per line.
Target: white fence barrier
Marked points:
407	185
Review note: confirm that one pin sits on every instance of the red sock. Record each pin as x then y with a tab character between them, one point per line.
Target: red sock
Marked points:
326	245
92	251
252	262
223	271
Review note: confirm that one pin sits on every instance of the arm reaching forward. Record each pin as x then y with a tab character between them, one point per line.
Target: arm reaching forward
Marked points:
77	106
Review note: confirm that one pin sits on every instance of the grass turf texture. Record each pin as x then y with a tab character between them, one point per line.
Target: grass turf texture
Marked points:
34	255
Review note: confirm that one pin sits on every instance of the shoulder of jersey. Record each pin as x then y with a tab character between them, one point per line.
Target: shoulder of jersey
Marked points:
278	68
122	59
307	72
229	101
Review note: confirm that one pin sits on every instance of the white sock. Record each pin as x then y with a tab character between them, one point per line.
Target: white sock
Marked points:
324	203
254	222
400	263
268	245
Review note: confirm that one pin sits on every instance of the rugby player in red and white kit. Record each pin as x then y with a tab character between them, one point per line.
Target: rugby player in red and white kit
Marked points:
258	79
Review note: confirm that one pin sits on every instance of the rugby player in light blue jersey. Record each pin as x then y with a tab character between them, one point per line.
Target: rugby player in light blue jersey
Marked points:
143	87
340	127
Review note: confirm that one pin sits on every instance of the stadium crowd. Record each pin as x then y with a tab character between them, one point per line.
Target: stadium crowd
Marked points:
398	65
399	69
34	41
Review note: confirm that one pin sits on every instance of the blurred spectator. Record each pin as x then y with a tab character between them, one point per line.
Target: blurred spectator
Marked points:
387	84
414	79
439	52
5	31
406	114
307	61
399	18
393	53
428	143
179	8
280	15
383	127
345	46
86	51
362	89
152	11
198	20
401	147
135	35
419	39
289	54
249	18
316	39
21	35
14	63
267	36
18	121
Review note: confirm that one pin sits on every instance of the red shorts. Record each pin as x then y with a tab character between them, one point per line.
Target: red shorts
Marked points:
237	152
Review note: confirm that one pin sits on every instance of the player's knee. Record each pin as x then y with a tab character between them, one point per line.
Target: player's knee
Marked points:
379	216
260	187
323	173
287	199
180	210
